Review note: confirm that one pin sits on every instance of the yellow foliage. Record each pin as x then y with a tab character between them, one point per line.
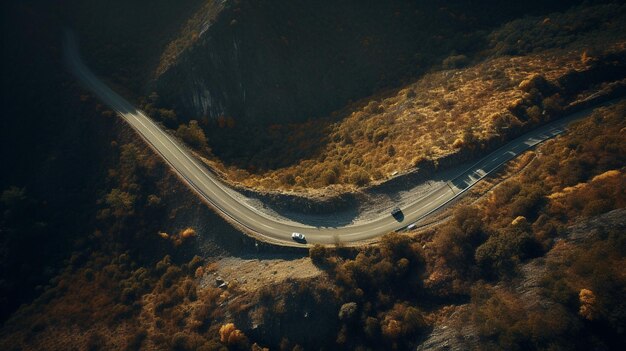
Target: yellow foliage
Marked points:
164	235
230	335
421	120
612	174
391	328
519	220
588	306
188	233
235	337
458	143
602	192
587	58
225	331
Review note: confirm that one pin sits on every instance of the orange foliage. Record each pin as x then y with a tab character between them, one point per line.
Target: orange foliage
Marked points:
225	331
232	336
588	304
188	233
604	192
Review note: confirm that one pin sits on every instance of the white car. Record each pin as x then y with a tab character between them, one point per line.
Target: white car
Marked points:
297	236
411	226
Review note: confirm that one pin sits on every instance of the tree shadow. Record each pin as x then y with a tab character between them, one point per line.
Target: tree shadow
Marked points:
332	212
257	148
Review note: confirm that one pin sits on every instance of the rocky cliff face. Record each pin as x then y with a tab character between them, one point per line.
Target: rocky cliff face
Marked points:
288	60
278	61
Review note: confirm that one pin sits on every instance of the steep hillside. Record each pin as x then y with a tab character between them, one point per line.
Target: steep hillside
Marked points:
123	40
56	145
267	62
534	264
245	81
52	150
446	116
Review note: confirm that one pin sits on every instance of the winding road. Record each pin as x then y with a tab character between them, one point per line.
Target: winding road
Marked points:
264	227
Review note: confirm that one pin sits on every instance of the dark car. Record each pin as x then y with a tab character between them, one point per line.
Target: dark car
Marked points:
397	214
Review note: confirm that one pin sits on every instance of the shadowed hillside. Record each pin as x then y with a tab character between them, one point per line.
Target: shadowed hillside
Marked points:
267	62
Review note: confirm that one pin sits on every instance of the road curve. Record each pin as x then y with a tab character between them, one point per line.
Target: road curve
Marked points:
272	230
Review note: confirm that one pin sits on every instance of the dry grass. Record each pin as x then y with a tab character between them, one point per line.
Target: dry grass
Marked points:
440	114
429	119
251	275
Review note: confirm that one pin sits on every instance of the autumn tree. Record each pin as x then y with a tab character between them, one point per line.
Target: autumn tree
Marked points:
120	203
233	337
193	135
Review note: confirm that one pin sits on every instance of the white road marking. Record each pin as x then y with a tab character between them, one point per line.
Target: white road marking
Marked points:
219	195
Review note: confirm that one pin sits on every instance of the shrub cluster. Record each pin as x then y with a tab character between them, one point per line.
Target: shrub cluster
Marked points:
578	176
380	289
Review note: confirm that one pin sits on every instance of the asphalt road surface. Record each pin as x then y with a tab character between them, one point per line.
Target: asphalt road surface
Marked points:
272	230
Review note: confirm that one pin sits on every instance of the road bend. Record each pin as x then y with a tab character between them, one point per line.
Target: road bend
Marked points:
226	201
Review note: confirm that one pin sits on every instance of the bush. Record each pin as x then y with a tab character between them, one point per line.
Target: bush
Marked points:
121	203
534	82
195	263
502	316
360	177
456	242
347	312
180	342
318	254
163	264
172	273
188	233
403	323
502	252
328	177
168	117
193	135
233	337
